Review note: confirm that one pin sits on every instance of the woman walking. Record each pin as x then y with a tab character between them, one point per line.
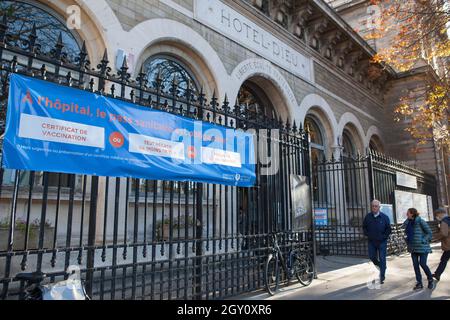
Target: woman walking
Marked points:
418	237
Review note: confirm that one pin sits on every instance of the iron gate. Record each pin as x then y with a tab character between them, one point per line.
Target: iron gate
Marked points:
343	189
144	239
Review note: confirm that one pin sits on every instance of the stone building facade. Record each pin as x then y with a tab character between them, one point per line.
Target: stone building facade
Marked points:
360	14
295	61
300	61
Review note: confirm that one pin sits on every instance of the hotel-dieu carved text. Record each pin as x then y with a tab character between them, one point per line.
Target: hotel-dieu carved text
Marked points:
235	26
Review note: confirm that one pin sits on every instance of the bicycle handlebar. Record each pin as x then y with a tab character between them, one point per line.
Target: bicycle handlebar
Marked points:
32	277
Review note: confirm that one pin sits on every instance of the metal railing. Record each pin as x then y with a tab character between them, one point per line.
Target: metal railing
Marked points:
345	187
143	239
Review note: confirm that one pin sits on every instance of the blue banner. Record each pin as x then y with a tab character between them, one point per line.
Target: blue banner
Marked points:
54	128
321	216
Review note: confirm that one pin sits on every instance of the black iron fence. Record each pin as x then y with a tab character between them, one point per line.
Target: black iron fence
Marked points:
149	239
343	190
144	239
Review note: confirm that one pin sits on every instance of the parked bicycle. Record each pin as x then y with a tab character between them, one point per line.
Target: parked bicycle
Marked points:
70	289
299	264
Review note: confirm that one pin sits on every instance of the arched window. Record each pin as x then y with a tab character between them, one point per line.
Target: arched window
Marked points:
169	70
21	16
256	106
375	144
348	145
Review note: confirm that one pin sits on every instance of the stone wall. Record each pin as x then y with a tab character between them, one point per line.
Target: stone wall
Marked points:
341	91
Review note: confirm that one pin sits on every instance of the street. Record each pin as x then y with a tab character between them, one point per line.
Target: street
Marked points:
348	278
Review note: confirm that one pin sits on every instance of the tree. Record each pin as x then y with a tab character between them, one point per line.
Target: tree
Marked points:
417	32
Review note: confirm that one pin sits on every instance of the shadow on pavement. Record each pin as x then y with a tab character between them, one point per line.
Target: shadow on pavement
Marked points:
333	263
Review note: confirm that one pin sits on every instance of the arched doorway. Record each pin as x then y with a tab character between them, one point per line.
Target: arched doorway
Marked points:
318	149
349	152
375	144
254	103
266	208
355	179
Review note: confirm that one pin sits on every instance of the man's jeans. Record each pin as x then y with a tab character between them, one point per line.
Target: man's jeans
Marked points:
377	253
421	259
444	259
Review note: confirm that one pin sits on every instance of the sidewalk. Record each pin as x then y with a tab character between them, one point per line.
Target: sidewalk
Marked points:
346	278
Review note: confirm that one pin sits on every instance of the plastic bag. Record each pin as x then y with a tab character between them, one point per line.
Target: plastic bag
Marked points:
70	289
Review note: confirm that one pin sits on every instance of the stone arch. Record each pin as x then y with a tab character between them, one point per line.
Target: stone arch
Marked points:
194	63
350	121
138	39
266	76
325	125
172	34
318	106
374	132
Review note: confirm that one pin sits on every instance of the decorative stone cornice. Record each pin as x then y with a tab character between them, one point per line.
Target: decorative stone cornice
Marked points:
318	26
302	12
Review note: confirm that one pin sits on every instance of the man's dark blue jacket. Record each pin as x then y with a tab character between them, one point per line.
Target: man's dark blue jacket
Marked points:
377	229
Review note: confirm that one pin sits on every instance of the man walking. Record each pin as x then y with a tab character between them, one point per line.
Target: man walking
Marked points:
444	236
377	228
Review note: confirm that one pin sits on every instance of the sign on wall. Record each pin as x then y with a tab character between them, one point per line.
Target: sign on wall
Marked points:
405	200
227	21
59	129
430	208
301	202
388	210
406	180
321	216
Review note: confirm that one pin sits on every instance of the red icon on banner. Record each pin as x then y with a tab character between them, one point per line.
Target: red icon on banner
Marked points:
116	139
191	152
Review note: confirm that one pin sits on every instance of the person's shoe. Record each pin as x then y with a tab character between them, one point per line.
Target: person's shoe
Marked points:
418	286
436	277
430	284
382	280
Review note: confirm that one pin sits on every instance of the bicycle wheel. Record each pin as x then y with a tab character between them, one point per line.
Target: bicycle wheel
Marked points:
272	274
304	269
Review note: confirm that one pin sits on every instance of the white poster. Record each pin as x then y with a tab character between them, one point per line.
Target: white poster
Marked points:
421	204
405	200
406	180
301	203
388	210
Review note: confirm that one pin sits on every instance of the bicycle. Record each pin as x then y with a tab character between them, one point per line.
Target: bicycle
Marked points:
299	264
34	290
